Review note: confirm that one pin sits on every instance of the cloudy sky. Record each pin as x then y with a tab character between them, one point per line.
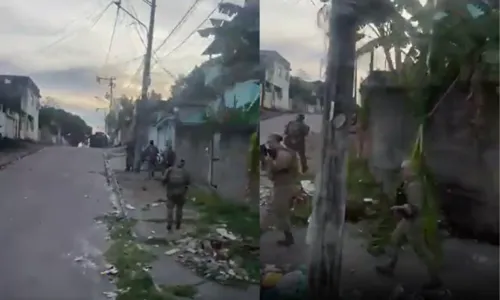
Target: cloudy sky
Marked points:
55	42
290	27
63	45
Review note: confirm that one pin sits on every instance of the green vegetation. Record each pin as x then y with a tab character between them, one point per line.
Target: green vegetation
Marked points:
73	128
238	219
132	260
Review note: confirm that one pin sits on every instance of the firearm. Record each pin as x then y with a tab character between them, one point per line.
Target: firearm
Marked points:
264	152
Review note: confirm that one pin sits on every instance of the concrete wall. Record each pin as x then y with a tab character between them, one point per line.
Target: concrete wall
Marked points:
216	158
464	162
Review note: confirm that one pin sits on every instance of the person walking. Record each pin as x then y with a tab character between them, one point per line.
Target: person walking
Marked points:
151	157
177	181
410	225
296	132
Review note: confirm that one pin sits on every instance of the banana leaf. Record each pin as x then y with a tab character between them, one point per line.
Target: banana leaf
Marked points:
430	207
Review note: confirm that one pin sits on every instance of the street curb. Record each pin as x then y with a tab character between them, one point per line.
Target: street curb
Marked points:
116	197
23	155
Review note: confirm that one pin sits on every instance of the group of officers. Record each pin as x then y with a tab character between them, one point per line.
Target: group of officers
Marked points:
283	158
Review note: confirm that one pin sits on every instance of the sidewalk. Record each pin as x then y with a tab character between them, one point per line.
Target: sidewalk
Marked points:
144	202
467	264
11	155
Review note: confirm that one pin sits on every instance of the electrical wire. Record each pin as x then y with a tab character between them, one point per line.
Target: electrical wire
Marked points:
193	32
181	22
155	57
94	23
112	36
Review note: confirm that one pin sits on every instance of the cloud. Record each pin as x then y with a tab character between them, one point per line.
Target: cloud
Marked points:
289	27
60	44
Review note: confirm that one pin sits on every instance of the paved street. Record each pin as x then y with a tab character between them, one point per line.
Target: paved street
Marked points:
48	204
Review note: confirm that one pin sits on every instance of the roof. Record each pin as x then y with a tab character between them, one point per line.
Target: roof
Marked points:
14	84
267	56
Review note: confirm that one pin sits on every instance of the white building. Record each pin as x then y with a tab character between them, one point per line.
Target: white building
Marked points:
19	107
275	94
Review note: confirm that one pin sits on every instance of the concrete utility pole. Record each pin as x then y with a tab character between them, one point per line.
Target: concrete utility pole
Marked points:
140	128
111	84
325	270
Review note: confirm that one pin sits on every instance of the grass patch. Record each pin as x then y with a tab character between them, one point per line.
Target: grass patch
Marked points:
378	218
239	219
185	290
132	261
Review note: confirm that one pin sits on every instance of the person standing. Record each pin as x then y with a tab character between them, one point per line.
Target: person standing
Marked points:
282	170
177	181
296	132
151	157
410	225
129	160
169	156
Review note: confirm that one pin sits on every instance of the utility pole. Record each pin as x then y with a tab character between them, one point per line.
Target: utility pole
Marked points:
140	128
324	274
111	84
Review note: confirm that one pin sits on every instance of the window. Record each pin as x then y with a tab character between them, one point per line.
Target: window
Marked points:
279	92
287	75
279	72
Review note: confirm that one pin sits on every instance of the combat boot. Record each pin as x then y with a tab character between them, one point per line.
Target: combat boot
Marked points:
288	241
178	225
169	227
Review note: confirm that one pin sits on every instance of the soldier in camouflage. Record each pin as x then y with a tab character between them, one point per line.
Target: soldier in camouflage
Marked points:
283	171
296	132
177	181
410	225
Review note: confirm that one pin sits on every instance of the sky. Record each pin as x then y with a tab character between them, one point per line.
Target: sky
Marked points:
55	42
62	47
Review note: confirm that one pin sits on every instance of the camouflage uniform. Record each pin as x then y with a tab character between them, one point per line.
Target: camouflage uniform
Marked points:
129	163
283	172
411	227
151	154
177	181
295	139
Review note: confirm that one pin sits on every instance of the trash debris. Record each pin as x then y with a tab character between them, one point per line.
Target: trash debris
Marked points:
79	259
110	295
226	234
172	251
308	187
209	255
110	270
128	206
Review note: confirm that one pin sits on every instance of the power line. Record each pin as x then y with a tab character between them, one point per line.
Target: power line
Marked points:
112	35
94	23
179	24
155	57
193	32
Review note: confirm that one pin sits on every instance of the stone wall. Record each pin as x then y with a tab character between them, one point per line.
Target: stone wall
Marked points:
464	161
222	152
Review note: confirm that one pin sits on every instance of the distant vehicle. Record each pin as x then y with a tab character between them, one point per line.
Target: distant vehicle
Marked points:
98	140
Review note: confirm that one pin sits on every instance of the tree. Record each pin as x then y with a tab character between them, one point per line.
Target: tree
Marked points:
72	127
192	87
236	40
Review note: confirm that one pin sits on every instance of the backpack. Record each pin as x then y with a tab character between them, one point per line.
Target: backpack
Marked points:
294	129
176	176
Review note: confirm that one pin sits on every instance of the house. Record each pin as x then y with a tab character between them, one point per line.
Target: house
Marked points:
213	152
276	88
19	107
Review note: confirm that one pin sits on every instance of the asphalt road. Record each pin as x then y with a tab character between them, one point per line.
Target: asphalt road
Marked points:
48	202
